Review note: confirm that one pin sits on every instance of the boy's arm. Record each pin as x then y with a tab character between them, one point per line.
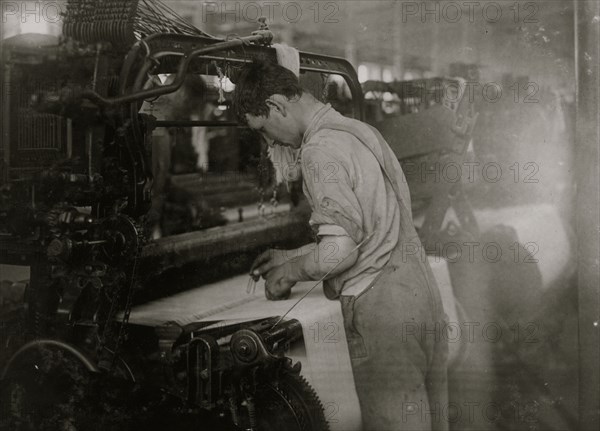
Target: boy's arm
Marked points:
334	255
328	258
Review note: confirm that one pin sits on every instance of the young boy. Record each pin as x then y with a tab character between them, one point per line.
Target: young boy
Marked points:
367	247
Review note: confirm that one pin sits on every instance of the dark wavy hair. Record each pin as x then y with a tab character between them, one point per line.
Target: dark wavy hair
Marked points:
256	82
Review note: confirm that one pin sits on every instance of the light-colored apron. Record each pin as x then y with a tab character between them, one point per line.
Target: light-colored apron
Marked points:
394	327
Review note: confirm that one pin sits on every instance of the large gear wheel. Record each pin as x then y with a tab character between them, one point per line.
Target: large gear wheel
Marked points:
124	238
289	403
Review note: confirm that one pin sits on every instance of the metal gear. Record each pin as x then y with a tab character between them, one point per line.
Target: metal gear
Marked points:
290	403
125	238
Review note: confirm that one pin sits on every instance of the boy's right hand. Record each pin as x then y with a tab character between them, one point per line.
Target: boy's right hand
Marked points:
270	259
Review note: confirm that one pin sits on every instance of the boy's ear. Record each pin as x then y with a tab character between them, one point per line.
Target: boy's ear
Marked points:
276	102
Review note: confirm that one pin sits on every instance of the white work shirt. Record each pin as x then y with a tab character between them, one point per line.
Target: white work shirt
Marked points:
345	187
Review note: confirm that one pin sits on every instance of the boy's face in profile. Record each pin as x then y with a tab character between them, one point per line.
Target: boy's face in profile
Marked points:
280	126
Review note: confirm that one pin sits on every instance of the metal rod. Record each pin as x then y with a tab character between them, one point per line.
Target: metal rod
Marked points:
587	60
261	37
88	139
196	123
6	132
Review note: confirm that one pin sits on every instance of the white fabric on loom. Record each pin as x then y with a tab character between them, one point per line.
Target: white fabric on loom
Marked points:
324	353
285	159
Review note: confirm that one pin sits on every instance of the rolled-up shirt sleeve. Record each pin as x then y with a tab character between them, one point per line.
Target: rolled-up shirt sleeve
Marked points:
328	183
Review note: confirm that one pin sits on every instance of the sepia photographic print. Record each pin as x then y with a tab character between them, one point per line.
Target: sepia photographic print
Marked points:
300	215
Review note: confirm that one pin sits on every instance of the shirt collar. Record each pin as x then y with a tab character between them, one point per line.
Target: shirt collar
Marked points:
314	123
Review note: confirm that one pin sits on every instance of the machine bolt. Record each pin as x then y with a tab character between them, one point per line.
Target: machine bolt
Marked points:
243	350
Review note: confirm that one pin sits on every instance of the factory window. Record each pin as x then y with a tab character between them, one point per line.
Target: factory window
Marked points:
388	76
363	73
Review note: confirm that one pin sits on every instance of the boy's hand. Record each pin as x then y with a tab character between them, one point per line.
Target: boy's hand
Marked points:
268	260
277	284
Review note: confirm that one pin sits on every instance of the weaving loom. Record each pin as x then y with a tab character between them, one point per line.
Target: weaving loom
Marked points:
76	188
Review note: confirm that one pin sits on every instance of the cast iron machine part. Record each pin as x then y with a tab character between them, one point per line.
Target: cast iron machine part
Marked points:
244	370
